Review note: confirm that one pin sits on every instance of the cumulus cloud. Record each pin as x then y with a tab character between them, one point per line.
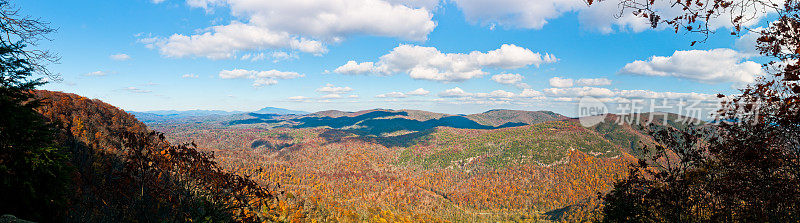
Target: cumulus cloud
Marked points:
530	93
417	92
707	66
567	82
260	78
428	4
561	82
510	79
578	92
428	63
394	94
223	42
299	25
454	93
280	55
352	67
120	57
299	98
623	94
337	96
332	96
459	96
331	89
459	93
593	82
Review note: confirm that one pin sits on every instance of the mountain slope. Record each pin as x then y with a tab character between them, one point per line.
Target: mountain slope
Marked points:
625	130
544	143
123	172
503	117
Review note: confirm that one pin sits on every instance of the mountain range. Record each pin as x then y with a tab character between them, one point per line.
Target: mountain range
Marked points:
161	115
497	165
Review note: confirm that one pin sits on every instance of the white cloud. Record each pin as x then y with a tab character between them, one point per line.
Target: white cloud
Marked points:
253	56
510	79
325	98
647	94
428	63
593	82
417	92
157	1
300	25
567	82
707	66
530	93
189	76
562	99
332	96
605	93
561	82
459	93
264	82
280	55
299	98
96	73
459	96
507	78
428	4
454	93
352	67
392	95
496	94
331	89
260	78
120	57
276	56
223	42
583	91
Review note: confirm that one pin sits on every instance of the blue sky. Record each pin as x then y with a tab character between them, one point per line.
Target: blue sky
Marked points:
199	54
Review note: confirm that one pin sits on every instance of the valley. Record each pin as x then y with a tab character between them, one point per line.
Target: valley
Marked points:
501	165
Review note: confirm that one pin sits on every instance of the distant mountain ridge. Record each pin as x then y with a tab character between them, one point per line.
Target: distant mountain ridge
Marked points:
279	111
171	114
378	122
195	112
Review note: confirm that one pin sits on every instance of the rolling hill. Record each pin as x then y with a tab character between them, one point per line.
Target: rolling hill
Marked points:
499	165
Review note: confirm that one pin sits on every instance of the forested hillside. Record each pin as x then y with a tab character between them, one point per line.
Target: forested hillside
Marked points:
121	171
342	171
